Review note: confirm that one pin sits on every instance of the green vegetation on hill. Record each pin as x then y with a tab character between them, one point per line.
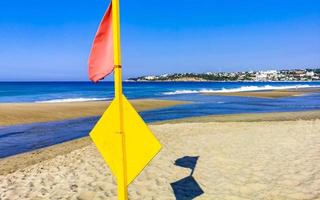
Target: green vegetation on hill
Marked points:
270	75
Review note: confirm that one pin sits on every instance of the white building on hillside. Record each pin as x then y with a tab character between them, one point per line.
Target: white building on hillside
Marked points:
268	75
149	78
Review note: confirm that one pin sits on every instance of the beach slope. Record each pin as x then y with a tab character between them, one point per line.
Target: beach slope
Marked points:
236	160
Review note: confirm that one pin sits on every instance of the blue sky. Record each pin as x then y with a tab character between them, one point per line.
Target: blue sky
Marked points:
51	39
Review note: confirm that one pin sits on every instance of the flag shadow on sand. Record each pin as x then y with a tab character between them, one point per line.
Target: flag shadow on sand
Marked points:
187	188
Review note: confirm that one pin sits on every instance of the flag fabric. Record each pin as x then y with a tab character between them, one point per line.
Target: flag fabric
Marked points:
121	136
101	61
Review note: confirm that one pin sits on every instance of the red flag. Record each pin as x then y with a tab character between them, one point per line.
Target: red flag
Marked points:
101	56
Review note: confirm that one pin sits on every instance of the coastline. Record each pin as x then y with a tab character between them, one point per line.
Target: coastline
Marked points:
26	113
249	117
13	163
246	81
237	159
240	155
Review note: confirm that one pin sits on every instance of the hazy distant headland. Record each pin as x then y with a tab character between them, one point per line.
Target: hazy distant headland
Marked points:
269	75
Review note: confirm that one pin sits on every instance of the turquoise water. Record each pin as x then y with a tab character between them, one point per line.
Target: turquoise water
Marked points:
22	138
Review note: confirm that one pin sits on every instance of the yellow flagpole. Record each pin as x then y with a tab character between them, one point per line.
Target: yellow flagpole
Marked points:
122	181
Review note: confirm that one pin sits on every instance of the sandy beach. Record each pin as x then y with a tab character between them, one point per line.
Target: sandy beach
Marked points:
155	100
25	113
236	160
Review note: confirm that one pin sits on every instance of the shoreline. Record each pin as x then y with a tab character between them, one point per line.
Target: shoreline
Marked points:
26	113
235	160
313	81
272	94
249	156
13	163
249	117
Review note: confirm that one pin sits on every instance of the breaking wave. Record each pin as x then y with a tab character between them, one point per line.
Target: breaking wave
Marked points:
239	89
72	100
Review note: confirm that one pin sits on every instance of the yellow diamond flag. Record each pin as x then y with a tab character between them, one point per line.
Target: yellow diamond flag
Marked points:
140	144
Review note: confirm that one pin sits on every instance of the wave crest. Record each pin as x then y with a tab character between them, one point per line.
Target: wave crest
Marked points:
67	100
239	89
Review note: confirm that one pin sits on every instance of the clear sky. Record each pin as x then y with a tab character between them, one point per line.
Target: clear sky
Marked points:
51	39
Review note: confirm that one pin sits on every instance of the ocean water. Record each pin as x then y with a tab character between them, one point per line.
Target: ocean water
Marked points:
86	91
23	138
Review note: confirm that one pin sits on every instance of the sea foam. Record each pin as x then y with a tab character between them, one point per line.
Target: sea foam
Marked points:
239	89
72	100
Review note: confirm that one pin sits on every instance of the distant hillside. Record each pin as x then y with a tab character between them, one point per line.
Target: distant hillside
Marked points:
269	75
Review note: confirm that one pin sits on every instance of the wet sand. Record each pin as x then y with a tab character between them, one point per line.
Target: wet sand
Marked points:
237	160
270	93
250	117
24	113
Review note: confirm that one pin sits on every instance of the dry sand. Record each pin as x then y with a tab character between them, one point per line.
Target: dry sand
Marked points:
237	160
23	113
270	93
